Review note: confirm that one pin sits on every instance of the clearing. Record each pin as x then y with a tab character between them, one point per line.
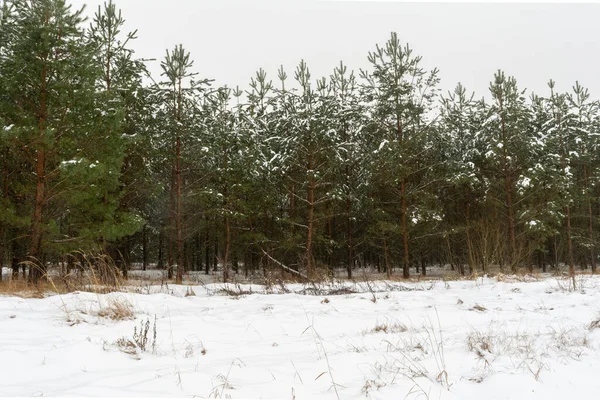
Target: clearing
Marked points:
493	338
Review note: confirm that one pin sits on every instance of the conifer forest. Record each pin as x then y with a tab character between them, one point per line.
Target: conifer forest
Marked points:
374	168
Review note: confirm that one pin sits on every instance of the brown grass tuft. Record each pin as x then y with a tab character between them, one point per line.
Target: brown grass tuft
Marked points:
389	328
117	309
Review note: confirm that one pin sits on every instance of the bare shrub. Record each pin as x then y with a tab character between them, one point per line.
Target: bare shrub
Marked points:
140	337
141	341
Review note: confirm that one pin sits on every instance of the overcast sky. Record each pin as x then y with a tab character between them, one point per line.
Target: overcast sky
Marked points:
229	40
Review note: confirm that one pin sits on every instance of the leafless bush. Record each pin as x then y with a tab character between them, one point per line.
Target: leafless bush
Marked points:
140	337
140	341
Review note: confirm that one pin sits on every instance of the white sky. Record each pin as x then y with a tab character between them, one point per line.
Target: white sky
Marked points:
230	39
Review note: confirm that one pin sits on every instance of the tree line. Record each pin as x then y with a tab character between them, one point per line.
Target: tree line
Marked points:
371	168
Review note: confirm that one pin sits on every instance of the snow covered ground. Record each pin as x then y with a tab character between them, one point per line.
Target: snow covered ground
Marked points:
487	338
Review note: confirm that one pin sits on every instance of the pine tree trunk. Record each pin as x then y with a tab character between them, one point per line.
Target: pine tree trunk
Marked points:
388	269
508	188
207	254
310	217
171	228
3	230
207	247
198	252
16	254
330	263
292	207
406	266
511	221
590	221
160	250
570	259
216	255
247	262
349	244
569	242
226	255
179	277
468	234
145	248
37	269
178	227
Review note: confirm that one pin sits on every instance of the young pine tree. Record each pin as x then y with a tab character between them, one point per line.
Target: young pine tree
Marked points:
400	94
51	77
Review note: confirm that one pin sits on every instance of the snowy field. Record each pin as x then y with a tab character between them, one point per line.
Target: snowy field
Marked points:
483	339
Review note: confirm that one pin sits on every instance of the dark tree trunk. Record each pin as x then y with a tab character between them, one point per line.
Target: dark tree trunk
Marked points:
508	188
227	238
216	254
145	248
197	252
3	230
207	255
160	250
349	242
310	198
590	222
171	228
37	268
469	244
16	257
388	267
406	266
178	227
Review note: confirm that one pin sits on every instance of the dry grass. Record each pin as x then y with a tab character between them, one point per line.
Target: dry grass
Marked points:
23	289
388	328
528	351
96	273
117	309
479	308
126	346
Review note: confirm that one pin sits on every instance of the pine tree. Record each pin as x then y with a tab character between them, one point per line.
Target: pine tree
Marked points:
400	93
51	81
178	96
121	86
461	120
309	149
6	206
584	120
348	121
508	139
